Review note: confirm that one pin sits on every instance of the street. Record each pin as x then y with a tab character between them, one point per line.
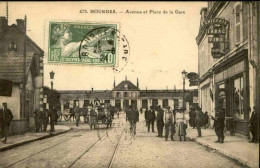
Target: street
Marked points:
82	147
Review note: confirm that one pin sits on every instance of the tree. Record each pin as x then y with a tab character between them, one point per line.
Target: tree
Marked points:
53	97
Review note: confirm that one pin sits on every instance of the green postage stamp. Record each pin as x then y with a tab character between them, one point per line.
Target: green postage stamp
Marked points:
82	43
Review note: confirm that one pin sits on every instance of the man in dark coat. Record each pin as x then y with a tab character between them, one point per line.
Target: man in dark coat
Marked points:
133	118
6	117
254	125
169	120
52	119
219	122
151	117
45	119
146	116
192	116
160	123
38	120
199	120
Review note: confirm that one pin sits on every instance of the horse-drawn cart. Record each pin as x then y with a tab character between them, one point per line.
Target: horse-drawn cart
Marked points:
98	117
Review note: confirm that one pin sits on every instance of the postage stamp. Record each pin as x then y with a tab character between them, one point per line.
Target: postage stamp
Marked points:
83	43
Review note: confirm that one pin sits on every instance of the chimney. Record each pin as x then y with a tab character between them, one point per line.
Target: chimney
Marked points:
137	84
92	89
125	78
20	24
3	24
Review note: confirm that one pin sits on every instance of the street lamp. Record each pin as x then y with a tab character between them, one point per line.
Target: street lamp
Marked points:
51	103
184	73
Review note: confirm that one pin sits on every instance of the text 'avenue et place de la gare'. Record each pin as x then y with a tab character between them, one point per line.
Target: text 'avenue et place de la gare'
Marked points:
151	11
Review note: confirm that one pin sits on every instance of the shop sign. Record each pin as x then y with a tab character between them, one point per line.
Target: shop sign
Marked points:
217	30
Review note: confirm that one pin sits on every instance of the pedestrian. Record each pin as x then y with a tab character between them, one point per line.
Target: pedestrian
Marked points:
6	117
118	111
181	124
159	119
133	118
85	114
254	125
205	120
146	116
77	115
219	125
169	120
72	114
151	118
199	120
37	120
45	119
52	119
192	116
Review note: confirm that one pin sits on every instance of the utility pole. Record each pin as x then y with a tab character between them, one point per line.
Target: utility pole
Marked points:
24	71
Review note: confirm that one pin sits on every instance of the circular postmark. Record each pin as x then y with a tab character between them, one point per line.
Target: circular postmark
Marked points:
105	46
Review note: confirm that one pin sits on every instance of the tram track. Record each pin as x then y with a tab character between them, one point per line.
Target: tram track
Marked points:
89	148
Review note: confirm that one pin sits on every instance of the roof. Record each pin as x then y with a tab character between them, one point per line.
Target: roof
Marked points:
67	95
121	86
165	93
12	66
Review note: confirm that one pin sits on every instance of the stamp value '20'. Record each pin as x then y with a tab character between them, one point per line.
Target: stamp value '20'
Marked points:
83	43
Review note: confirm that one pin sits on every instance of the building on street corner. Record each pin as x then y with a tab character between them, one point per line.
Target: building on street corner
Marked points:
11	74
228	61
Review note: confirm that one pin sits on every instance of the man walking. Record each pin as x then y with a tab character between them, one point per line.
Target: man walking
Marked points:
133	118
77	115
219	125
198	120
151	118
169	120
160	123
38	120
45	119
192	116
6	117
254	125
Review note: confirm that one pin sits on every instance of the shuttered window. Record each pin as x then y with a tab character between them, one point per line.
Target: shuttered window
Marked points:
238	25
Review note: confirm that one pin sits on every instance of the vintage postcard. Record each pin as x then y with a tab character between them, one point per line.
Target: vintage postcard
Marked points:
129	84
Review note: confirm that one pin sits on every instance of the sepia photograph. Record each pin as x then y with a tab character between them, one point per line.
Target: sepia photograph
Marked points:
129	84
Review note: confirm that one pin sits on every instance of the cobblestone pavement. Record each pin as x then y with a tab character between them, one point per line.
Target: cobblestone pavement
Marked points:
83	147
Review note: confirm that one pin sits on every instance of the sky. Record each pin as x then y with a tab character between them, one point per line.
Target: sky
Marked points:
161	45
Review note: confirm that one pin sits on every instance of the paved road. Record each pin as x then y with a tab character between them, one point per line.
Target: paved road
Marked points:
115	147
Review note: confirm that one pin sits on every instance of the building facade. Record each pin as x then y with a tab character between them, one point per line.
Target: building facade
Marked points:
125	94
11	74
228	54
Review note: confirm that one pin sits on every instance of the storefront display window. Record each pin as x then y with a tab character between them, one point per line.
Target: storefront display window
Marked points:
238	98
222	96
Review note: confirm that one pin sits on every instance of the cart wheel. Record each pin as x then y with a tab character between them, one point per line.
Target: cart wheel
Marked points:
66	117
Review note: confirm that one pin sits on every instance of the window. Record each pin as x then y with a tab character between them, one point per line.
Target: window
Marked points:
165	103
144	103
125	86
12	46
154	102
238	98
118	94
86	103
238	20
133	94
125	94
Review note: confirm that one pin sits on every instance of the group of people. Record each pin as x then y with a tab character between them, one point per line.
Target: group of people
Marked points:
42	118
171	120
204	118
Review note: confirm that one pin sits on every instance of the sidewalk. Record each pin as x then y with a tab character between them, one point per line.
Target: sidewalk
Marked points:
234	147
17	140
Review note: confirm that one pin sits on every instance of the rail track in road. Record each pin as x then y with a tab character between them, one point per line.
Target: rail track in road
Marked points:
89	148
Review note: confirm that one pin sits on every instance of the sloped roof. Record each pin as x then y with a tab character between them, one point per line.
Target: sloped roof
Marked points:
11	66
120	86
84	94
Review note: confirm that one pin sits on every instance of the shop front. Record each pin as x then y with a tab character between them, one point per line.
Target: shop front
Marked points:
232	94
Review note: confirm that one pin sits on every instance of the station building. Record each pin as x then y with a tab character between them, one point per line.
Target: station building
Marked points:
125	94
228	61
